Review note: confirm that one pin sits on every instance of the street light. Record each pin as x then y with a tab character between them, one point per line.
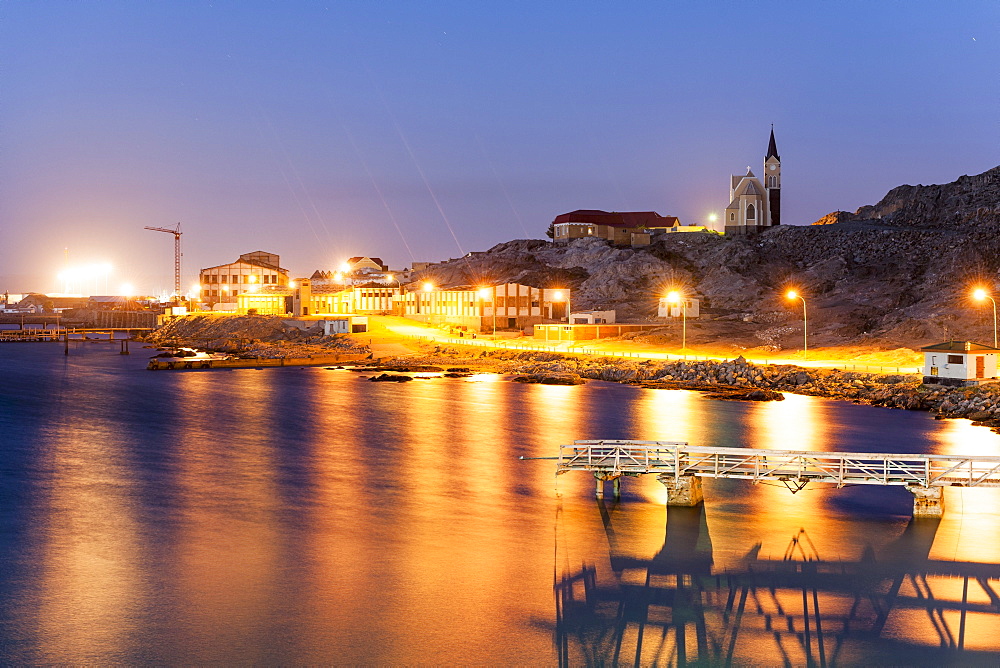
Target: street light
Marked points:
675	297
979	295
558	296
484	293
792	294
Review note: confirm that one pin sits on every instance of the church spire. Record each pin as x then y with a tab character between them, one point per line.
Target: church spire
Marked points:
772	149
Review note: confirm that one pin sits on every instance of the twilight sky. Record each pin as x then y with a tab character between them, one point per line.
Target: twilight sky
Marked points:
424	130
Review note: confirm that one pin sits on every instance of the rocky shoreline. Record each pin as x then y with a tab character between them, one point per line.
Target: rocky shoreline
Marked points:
735	379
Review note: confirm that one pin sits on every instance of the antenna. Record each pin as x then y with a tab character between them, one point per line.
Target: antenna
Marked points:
177	255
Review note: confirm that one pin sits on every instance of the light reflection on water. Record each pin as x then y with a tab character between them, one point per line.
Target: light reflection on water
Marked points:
309	516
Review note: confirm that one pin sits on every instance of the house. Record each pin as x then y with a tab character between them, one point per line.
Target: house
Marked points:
690	308
592	317
631	228
959	363
755	206
252	272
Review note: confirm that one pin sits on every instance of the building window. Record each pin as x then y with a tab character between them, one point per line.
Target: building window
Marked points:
956	359
732	217
751	212
224	279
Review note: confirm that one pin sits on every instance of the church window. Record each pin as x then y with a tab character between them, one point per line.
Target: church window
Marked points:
751	212
732	216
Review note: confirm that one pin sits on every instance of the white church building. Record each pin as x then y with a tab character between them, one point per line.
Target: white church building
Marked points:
755	205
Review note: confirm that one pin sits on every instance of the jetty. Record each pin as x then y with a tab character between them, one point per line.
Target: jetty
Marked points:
680	468
180	363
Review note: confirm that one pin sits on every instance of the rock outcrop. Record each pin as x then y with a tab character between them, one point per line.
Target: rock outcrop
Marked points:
894	274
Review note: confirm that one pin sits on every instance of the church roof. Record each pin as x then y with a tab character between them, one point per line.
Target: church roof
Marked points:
772	149
751	189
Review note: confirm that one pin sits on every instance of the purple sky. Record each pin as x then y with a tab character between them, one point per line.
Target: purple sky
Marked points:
419	131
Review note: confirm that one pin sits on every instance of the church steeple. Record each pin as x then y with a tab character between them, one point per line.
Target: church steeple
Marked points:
772	149
772	181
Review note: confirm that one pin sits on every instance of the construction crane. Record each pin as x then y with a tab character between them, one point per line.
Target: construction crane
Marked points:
177	255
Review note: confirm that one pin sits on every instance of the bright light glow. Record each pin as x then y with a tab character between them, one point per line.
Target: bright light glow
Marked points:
252	279
225	288
792	294
558	295
345	268
712	218
126	290
390	278
673	297
484	293
196	288
293	285
428	286
979	294
338	276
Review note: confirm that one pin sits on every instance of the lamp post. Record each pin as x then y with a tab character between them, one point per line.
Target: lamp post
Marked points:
979	295
792	294
675	297
559	297
483	294
399	285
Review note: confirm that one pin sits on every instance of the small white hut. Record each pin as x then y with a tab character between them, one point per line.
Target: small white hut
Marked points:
959	363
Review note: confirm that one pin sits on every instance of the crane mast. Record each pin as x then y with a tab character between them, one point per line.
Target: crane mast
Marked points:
177	255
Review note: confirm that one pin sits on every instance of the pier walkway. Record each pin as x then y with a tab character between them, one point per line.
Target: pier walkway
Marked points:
680	467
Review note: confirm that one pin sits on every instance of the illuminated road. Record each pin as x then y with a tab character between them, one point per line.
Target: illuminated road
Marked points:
415	330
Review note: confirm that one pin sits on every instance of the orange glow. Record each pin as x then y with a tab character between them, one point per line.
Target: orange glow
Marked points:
673	297
979	294
792	294
428	287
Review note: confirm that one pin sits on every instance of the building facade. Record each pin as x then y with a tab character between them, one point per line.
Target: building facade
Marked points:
755	205
959	363
251	273
631	228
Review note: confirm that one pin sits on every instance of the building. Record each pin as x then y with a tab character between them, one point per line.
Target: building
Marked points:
959	363
507	306
592	317
252	272
690	308
755	206
586	332
632	228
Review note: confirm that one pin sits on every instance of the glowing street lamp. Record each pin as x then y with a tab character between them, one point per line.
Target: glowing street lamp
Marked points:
675	297
558	296
979	295
484	294
793	295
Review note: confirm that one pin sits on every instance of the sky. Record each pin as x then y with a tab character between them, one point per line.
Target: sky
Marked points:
420	131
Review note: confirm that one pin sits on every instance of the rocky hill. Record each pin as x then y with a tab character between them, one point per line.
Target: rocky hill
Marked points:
897	273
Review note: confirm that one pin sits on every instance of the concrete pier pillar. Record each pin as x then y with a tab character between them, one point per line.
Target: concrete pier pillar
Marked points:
927	501
682	491
600	477
618	487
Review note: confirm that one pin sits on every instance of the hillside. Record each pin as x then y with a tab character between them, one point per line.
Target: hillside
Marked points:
897	273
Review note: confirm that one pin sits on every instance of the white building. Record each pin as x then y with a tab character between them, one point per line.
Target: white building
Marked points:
667	309
959	363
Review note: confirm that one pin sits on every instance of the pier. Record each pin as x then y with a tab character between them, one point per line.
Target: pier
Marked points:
680	467
73	334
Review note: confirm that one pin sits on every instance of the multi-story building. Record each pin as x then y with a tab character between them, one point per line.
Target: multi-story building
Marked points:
506	306
253	272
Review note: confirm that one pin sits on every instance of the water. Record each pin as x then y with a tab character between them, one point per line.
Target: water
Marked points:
290	516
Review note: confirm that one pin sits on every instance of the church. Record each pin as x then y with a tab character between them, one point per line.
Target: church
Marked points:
755	206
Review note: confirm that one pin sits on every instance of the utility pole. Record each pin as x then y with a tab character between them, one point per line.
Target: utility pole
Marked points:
177	255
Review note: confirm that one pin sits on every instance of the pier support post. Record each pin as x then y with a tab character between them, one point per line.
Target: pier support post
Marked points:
682	491
600	477
927	501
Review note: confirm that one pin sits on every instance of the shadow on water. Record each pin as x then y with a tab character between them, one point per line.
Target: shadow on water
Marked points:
892	606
